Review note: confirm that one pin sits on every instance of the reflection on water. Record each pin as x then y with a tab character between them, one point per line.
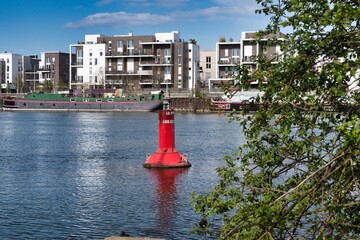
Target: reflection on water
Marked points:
165	199
74	175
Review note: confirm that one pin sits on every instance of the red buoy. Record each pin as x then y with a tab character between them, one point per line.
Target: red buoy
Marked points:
166	155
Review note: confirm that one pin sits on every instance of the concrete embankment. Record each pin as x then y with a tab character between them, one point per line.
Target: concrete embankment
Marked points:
195	105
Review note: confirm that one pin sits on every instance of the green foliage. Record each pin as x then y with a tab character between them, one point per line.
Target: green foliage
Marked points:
297	175
193	41
48	86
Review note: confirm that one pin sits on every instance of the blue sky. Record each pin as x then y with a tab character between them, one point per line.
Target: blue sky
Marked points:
34	26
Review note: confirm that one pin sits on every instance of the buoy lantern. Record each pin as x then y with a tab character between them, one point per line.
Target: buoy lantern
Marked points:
166	155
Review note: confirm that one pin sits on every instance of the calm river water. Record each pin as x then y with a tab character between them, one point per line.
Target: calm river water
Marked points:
77	175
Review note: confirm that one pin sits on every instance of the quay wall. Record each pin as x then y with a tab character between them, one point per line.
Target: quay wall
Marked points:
195	105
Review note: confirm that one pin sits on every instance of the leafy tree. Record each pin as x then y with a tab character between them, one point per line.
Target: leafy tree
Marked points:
297	175
20	83
193	41
48	86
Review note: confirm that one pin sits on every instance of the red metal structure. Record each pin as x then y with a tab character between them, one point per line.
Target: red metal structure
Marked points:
166	155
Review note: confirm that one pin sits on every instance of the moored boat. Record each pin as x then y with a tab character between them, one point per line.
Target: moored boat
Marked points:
63	102
240	101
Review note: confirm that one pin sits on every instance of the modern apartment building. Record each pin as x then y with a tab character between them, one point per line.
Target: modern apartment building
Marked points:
231	54
10	71
53	71
21	74
30	74
134	64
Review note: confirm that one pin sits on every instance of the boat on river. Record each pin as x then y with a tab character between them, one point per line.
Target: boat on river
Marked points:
245	101
238	102
64	102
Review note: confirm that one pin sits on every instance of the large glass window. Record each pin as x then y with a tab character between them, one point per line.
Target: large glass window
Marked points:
120	46
167	70
79	53
130	43
130	47
235	52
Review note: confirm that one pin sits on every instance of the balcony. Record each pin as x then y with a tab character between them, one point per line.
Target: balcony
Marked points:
120	73
77	81
146	81
44	69
249	59
130	54
145	72
113	82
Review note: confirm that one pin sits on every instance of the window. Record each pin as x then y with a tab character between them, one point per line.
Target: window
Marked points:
179	51
179	60
167	52
101	53
208	62
130	47
79	54
119	65
96	62
120	46
226	52
130	43
235	52
7	68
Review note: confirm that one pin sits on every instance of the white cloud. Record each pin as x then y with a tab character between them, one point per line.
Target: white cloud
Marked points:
119	19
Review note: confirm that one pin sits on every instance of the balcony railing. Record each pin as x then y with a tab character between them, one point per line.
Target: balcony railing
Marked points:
131	53
146	81
248	59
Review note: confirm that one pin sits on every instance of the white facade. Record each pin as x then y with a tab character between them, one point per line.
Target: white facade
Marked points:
91	64
173	36
194	61
13	70
230	54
